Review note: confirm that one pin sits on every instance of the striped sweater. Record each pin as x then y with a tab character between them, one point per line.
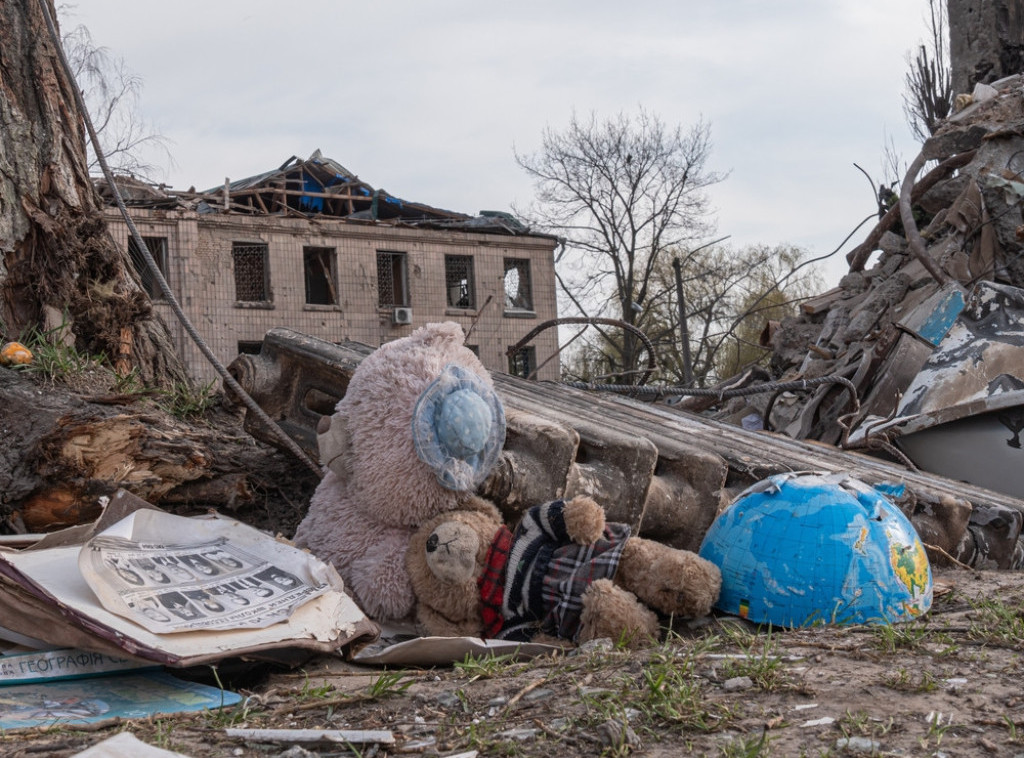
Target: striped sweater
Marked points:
534	580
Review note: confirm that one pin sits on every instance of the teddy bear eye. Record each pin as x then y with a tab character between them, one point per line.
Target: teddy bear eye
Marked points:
432	543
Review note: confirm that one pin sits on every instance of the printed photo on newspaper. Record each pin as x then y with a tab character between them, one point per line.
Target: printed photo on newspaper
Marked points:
169	573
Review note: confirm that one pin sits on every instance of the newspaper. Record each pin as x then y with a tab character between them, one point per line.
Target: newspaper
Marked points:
45	597
170	574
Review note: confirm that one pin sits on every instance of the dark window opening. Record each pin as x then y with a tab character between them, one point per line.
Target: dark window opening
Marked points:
458	281
157	247
392	280
251	275
319	266
523	362
518	295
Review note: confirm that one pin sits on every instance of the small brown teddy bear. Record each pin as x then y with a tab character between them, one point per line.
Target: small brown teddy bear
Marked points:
564	573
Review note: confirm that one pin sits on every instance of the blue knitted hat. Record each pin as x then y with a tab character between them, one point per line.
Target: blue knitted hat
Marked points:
458	428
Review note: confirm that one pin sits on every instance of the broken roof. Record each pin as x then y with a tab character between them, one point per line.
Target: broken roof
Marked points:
315	187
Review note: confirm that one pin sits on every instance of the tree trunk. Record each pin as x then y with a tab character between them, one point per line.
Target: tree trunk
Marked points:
57	262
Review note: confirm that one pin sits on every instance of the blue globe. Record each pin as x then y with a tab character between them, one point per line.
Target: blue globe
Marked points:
802	549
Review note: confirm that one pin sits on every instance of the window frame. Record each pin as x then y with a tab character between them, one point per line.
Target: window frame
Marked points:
237	248
160	256
399	265
522	265
527	353
464	279
324	282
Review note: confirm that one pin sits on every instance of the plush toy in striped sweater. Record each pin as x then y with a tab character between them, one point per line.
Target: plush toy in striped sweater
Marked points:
563	573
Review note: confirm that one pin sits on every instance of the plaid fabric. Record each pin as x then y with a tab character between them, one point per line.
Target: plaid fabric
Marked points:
492	582
546	574
573	568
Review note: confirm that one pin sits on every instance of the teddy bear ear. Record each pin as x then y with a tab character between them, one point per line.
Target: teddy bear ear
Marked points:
333	443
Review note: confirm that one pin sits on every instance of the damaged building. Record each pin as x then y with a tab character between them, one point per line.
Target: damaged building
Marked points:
312	247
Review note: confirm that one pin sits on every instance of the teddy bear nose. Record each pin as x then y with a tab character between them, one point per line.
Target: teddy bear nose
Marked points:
432	543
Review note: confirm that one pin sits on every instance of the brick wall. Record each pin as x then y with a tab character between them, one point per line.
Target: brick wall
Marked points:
201	273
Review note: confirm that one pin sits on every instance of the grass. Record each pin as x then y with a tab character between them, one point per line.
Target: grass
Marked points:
759	659
485	667
54	360
903	681
995	621
185	400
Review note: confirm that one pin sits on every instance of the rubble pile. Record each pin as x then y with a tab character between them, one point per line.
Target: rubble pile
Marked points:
948	255
969	211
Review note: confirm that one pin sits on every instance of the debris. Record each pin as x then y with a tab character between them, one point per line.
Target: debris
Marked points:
306	736
824	721
15	354
664	472
126	745
88	701
44	595
173	574
444	651
61	663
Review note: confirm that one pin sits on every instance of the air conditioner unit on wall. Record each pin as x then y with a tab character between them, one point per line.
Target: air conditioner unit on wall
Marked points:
402	316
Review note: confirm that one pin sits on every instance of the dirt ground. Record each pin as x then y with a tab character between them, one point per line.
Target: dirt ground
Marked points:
947	685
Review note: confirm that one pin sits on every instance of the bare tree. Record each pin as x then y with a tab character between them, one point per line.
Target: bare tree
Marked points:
730	294
928	92
112	96
622	192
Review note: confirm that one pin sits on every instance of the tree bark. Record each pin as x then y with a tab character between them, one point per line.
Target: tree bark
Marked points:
55	254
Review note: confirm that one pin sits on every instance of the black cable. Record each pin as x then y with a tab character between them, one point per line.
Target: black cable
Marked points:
158	276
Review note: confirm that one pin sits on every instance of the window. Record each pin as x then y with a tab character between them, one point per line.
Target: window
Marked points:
392	280
517	285
251	278
250	347
523	362
320	269
458	281
157	247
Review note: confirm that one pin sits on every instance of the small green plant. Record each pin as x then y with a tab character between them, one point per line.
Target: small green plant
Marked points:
936	729
892	637
747	747
186	400
54	359
995	621
1013	730
904	681
484	667
388	684
854	723
309	691
759	660
670	692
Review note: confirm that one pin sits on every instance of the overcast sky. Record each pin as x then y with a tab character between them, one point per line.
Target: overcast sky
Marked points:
428	100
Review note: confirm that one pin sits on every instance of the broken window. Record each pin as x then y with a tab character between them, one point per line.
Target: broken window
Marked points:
320	269
523	362
517	285
251	275
392	279
157	247
458	281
